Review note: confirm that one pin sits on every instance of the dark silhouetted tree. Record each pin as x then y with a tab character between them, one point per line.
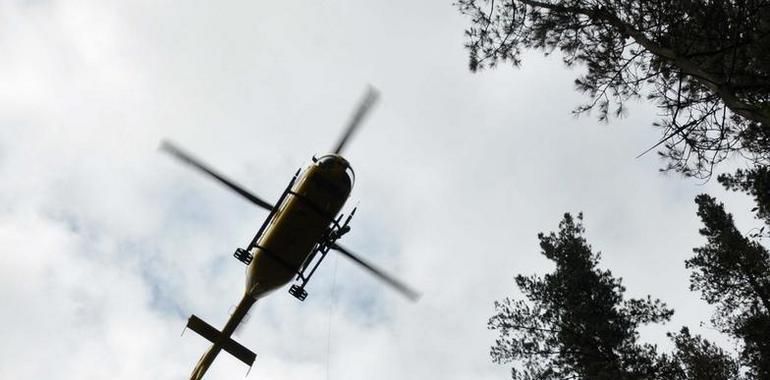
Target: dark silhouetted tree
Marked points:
705	63
732	271
695	358
574	323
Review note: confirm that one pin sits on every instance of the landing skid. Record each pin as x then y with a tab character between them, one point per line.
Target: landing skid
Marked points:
298	292
336	231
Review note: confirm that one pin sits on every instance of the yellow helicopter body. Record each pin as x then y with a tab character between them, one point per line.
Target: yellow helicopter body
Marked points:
299	223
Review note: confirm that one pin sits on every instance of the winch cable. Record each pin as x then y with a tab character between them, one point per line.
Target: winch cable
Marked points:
329	324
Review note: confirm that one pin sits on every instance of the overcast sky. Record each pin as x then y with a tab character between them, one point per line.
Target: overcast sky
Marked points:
107	245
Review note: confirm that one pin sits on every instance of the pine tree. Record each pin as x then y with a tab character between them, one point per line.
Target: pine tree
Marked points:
695	358
575	322
732	271
705	63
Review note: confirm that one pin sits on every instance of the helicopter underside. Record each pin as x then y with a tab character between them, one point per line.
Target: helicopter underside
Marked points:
299	224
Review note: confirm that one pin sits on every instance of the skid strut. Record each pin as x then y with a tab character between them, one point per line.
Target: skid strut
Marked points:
335	232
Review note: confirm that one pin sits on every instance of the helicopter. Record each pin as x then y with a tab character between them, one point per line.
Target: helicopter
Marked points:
298	233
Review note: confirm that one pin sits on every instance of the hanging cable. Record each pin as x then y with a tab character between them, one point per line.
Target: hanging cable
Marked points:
329	324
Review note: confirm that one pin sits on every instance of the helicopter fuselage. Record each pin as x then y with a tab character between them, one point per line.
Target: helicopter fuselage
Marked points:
298	223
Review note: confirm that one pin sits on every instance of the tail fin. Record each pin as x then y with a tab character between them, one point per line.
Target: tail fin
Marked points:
213	335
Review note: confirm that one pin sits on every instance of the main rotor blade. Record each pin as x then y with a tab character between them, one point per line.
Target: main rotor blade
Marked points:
192	161
390	280
367	103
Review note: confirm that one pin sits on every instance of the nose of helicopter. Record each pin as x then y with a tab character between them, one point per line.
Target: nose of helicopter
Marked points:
336	169
335	163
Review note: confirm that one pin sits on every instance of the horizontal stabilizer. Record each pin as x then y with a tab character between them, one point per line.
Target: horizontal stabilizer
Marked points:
202	328
242	353
213	335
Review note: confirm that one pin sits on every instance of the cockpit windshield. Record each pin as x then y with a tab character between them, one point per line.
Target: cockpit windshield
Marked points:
335	162
331	161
